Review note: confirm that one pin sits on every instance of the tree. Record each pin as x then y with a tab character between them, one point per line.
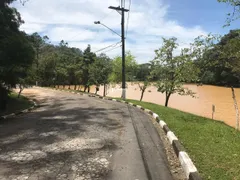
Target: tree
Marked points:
130	68
100	70
173	71
88	60
143	87
16	53
37	42
143	71
219	59
235	14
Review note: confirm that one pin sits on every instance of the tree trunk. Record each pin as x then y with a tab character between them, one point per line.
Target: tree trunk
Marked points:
20	91
167	99
3	98
142	95
64	86
236	108
79	87
69	86
88	89
85	88
104	90
75	87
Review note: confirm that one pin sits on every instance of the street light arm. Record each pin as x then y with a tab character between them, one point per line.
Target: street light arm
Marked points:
111	30
98	22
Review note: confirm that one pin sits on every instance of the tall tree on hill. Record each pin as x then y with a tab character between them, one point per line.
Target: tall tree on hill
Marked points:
37	42
88	60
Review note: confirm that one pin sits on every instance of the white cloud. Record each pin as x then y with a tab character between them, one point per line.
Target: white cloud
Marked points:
33	27
69	34
72	21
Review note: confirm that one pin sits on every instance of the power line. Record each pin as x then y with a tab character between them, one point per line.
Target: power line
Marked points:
112	49
130	3
112	45
104	17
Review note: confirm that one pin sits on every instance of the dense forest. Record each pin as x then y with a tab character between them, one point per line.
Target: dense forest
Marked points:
30	59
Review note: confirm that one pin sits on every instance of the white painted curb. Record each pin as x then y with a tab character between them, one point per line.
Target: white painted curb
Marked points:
139	106
162	123
171	136
155	115
186	163
147	110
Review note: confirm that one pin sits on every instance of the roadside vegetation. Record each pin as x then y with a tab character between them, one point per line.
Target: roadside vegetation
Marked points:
212	145
15	104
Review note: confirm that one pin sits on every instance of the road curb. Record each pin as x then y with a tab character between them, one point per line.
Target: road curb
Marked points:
187	164
19	112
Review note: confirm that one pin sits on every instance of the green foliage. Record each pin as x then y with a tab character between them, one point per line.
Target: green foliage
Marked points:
143	71
100	70
88	60
219	60
16	103
130	68
173	71
16	53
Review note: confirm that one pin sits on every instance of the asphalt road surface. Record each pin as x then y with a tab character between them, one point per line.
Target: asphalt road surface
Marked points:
76	137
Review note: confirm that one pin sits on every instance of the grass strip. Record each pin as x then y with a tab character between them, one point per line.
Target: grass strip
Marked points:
16	104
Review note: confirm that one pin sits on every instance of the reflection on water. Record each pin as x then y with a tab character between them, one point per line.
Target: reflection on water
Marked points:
206	96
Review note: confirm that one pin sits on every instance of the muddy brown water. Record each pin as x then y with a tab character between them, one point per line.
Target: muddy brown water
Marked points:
206	96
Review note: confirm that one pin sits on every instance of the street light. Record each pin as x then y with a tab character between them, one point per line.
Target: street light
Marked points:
98	22
122	10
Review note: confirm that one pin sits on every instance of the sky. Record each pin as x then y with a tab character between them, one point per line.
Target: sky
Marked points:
146	23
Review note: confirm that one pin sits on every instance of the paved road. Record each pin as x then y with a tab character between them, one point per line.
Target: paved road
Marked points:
77	137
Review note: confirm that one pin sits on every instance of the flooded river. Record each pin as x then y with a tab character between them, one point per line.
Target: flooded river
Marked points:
206	96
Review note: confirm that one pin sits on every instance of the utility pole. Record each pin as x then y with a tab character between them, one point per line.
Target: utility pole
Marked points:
122	10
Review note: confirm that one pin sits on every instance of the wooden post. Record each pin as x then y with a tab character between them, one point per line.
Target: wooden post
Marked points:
236	108
213	110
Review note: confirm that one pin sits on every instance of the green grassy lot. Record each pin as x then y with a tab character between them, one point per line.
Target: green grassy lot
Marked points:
16	104
213	146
